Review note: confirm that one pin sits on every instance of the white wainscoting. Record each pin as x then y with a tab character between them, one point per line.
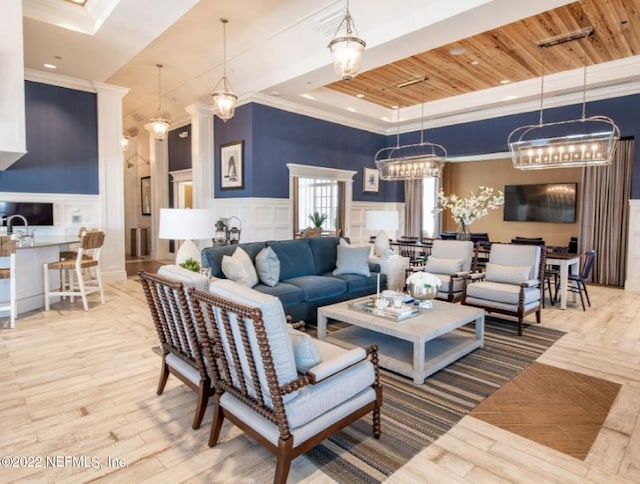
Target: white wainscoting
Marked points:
632	282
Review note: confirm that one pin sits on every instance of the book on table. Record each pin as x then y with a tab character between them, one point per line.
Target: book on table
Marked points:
393	313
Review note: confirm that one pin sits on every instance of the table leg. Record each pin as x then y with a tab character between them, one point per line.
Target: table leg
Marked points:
418	362
480	330
564	275
321	325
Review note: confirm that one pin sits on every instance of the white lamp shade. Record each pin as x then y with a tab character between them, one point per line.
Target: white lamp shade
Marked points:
382	220
186	224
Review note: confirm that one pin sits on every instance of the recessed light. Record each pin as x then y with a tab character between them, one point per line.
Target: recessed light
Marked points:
457	51
474	62
509	98
360	95
351	110
505	81
275	93
394	107
49	66
308	96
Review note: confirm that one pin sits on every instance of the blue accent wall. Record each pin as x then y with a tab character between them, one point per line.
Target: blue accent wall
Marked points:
179	149
274	137
62	143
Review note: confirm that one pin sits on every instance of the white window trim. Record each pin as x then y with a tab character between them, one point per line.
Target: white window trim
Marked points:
308	171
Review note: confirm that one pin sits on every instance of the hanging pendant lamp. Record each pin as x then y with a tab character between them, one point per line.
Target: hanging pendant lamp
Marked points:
587	141
224	99
347	48
160	124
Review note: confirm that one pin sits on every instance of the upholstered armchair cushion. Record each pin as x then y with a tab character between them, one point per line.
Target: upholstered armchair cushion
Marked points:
185	276
501	293
517	255
453	249
439	265
458	284
507	274
275	326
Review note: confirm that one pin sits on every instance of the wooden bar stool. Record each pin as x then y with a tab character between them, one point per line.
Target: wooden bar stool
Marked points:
8	251
81	275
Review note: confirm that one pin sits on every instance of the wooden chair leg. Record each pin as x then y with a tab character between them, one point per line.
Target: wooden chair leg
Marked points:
203	398
283	460
579	286
164	376
83	289
46	286
216	424
586	293
538	316
376	422
520	326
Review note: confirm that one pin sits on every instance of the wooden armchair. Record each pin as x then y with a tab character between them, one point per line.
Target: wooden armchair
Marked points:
451	261
512	283
280	386
179	339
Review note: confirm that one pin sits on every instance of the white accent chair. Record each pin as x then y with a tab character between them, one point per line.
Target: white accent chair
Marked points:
451	261
8	272
283	388
512	283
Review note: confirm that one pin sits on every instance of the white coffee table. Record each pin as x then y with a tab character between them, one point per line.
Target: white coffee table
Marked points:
416	347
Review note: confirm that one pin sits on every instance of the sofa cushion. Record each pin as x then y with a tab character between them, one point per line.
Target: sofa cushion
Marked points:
296	258
287	293
356	283
318	287
212	256
352	260
239	268
268	267
325	253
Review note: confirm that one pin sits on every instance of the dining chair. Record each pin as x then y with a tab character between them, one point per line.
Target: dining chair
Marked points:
578	282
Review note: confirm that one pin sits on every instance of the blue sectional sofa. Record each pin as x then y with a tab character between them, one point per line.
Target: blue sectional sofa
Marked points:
306	274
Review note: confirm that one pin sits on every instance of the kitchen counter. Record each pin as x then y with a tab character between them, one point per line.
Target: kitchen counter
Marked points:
48	242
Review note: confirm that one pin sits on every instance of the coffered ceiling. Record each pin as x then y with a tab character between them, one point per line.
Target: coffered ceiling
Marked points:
276	53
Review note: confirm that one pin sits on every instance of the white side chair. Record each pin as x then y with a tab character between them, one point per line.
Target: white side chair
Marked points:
8	271
451	261
79	276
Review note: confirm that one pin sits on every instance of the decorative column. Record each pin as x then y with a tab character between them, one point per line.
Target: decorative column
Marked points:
159	169
111	179
202	154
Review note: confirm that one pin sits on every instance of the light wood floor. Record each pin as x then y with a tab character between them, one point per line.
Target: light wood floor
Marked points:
82	384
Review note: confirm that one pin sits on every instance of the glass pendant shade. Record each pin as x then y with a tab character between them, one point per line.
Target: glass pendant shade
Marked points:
346	48
224	99
159	125
580	142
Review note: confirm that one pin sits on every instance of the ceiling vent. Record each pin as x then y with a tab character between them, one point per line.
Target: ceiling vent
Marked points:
329	23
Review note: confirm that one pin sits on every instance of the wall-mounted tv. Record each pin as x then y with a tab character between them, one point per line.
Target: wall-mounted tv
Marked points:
35	213
546	202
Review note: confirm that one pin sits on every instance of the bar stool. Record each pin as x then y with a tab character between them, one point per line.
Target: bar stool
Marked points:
81	275
8	251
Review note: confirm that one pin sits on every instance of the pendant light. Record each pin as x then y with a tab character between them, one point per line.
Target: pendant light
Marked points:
224	99
159	125
346	48
587	141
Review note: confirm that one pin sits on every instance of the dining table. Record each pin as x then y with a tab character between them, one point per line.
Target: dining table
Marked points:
568	263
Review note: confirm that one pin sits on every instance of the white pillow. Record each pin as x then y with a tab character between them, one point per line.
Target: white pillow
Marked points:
268	267
507	274
440	265
304	351
239	268
352	260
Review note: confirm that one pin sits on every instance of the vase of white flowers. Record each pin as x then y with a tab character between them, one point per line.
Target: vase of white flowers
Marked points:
423	286
465	211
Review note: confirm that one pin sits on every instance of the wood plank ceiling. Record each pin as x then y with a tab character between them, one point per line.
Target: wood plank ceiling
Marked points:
509	53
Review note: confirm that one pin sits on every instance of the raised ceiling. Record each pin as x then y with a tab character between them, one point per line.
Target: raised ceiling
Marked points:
276	51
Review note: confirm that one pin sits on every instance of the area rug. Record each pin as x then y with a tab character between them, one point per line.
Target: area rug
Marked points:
414	416
557	408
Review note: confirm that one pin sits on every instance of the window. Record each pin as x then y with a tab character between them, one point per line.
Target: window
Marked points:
317	195
430	220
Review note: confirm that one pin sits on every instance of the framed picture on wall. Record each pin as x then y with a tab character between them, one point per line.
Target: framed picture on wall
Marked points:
145	195
371	180
232	165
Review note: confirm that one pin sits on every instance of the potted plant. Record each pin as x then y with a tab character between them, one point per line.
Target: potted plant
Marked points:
317	219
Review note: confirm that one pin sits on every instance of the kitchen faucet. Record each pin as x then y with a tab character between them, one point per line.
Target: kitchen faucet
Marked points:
10	223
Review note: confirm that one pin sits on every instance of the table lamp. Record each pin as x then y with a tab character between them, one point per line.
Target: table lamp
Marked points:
187	224
382	220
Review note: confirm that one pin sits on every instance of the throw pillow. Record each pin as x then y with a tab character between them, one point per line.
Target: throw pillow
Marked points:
268	267
352	260
304	351
440	265
239	268
507	274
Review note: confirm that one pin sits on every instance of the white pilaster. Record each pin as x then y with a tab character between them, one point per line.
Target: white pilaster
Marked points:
632	280
111	179
159	159
202	155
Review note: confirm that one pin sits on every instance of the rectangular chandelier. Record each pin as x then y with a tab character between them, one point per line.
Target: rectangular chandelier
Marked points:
411	162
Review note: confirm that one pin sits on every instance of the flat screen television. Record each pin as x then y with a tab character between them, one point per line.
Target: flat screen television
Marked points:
35	213
545	202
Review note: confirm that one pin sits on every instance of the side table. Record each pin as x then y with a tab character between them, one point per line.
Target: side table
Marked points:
394	267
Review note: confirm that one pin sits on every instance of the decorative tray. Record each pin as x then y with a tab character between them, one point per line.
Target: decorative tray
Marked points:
392	313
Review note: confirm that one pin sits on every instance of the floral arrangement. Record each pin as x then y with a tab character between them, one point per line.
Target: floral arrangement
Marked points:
465	211
425	279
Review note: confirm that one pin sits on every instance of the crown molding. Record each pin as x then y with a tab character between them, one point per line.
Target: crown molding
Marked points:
58	80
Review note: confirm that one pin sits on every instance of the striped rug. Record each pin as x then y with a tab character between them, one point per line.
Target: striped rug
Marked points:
414	416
